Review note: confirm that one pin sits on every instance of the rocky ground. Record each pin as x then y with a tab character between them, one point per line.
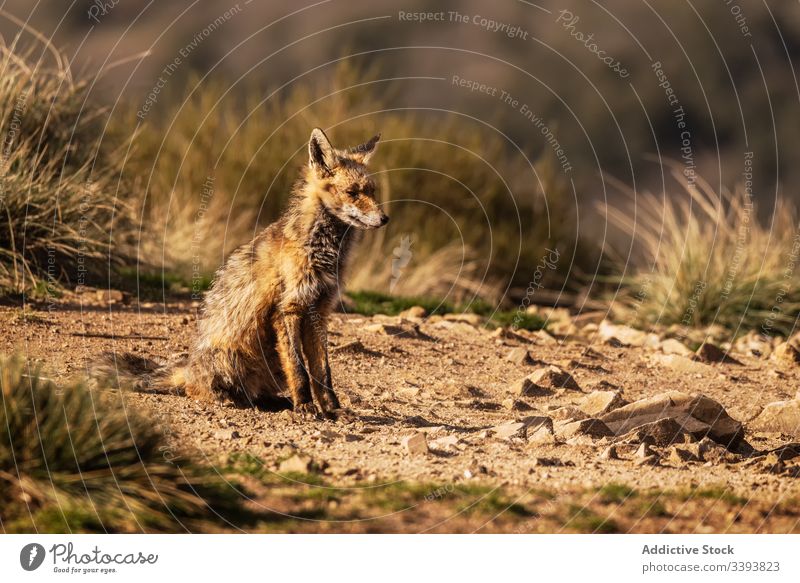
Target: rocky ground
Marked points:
455	427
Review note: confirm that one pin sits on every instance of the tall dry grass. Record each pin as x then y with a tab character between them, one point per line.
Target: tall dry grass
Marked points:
705	258
76	460
59	204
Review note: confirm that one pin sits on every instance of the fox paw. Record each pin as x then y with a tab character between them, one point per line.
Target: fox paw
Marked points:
341	415
306	411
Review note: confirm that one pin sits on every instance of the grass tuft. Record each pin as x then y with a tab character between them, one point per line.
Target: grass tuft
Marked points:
707	259
75	460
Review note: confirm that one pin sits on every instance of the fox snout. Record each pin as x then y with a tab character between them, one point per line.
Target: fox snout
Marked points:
373	220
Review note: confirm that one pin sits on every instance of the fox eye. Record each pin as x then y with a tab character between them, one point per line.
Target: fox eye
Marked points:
352	191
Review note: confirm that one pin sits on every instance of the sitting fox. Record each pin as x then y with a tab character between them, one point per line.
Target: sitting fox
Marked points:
263	328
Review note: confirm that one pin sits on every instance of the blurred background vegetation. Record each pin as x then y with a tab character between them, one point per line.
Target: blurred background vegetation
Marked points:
187	121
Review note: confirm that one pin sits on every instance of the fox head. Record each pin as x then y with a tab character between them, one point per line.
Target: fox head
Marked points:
343	182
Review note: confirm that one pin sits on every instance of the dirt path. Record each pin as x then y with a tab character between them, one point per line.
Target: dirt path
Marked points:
451	381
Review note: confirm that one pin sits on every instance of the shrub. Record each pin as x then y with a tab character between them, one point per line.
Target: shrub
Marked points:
58	180
706	258
74	459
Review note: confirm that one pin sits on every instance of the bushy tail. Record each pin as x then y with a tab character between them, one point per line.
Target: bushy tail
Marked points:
131	371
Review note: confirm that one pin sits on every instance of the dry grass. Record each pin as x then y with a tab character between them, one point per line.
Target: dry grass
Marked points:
706	258
72	460
58	185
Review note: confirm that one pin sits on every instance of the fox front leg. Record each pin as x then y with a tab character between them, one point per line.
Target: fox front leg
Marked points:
290	353
315	346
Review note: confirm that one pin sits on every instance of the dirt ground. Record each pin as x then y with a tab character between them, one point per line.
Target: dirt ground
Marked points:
446	379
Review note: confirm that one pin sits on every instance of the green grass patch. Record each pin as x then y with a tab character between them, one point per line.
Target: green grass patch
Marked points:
586	520
616	493
370	303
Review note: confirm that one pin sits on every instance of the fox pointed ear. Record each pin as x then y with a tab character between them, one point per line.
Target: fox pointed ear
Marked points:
321	155
365	151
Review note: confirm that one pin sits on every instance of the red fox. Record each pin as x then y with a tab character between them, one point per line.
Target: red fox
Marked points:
263	326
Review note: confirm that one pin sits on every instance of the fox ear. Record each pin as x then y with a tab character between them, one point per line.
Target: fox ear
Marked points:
321	155
365	151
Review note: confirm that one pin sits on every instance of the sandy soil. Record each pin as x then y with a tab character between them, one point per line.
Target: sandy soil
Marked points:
452	379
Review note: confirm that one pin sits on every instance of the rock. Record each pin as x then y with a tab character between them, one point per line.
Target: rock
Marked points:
662	432
674	346
643	451
542	436
610	453
590	427
534	422
411	331
568	413
543	338
227	434
507	334
447	443
513	404
710	451
785	353
110	296
509	430
524	387
354	347
520	356
697	415
599	402
753	344
680	455
416	444
779	417
552	377
466	318
297	464
549	462
681	364
414	312
711	353
786	452
651	460
625	335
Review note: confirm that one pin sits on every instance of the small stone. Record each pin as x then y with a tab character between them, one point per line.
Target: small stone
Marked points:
414	312
110	295
227	434
643	451
568	413
651	460
542	436
590	427
709	352
297	464
673	346
599	402
447	443
682	364
509	430
516	405
552	377
663	432
416	444
466	318
679	456
520	356
779	417
785	353
610	453
524	387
